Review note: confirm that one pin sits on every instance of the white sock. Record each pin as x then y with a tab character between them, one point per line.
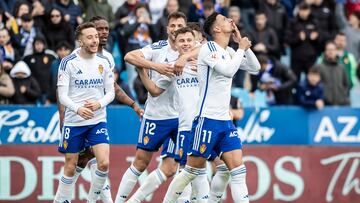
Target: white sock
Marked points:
201	187
127	184
179	183
239	191
92	166
65	190
97	183
219	183
151	183
105	194
185	195
78	171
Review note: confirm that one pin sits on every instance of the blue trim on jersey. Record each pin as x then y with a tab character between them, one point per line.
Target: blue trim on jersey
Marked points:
104	57
211	46
159	45
65	60
206	88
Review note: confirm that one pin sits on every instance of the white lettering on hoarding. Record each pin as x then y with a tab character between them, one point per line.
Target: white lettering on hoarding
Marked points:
253	131
351	182
326	129
26	129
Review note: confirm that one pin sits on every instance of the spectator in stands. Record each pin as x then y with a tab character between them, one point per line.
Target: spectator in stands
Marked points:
6	87
351	28
264	38
334	77
27	89
346	58
325	17
199	11
275	79
39	63
171	6
98	8
24	40
7	5
138	32
38	13
8	55
20	9
248	10
62	49
310	92
276	17
57	29
303	37
72	12
157	8
124	12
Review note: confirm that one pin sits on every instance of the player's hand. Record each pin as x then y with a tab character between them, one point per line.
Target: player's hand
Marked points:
165	69
236	35
193	64
179	65
244	43
139	111
92	105
85	113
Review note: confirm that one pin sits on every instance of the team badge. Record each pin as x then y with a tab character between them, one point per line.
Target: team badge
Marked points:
46	60
65	144
146	140
202	148
101	69
181	152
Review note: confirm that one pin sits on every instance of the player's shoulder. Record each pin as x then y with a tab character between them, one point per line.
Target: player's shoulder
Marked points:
159	45
209	47
105	59
64	62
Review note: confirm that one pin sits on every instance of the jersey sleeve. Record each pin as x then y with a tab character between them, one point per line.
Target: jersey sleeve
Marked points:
109	88
151	50
64	73
164	82
210	56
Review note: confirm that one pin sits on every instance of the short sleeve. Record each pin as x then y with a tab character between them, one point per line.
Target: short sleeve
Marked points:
164	82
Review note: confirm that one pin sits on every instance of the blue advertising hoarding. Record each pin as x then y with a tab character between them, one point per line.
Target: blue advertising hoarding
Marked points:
275	126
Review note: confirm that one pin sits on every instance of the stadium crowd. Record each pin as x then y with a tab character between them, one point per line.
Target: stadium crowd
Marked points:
309	50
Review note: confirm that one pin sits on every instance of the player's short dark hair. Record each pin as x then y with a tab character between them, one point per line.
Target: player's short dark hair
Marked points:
208	5
184	30
176	15
26	17
314	70
63	44
260	12
209	22
97	18
82	27
196	26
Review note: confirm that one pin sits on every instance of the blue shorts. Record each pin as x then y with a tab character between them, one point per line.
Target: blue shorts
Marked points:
169	148
213	135
182	146
154	133
75	138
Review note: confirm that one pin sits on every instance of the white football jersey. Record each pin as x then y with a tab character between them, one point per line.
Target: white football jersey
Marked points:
86	79
187	95
105	53
215	88
163	106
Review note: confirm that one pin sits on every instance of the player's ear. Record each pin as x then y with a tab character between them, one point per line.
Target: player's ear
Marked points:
216	29
80	43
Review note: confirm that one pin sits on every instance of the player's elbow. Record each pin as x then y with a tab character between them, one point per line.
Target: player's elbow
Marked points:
131	56
155	93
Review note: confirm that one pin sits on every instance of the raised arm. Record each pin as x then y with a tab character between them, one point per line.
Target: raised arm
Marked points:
153	89
340	16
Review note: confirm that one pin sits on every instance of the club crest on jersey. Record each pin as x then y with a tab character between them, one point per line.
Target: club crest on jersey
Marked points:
181	152
66	144
202	148
146	140
101	69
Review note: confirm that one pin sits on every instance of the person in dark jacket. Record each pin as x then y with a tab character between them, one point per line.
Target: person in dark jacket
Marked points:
303	37
275	79
39	63
57	29
310	92
334	77
264	37
27	89
72	12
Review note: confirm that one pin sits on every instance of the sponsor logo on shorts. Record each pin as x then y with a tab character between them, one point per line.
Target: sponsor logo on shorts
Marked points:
202	148
102	131
146	140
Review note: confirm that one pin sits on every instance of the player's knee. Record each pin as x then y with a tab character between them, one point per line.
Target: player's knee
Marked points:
103	165
141	164
69	168
169	169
